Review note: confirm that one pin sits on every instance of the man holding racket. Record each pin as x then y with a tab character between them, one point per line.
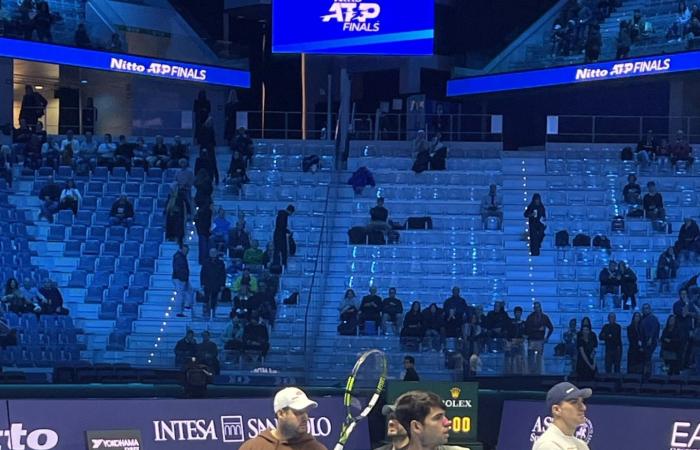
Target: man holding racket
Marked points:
291	407
565	402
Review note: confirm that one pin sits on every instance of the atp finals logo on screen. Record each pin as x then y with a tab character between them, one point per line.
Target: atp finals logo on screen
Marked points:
355	15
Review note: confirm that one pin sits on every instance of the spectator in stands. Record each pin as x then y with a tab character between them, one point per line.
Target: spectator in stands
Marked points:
361	178
281	236
247	280
678	29
181	280
238	241
203	187
124	153
628	286
348	313
370	310
32	108
413	330
15	301
420	143
244	145
409	369
51	153
81	38
208	353
86	157
649	328
43	21
434	326
70	197
6	164
688	235
635	345
263	302
207	140
122	212
421	152
458	303
379	218
254	256
185	349
609	279
497	323
492	206
672	346
653	203
20	137
32	153
632	192
185	177
176	211
646	148
515	346
587	344
686	314
624	40
50	196
213	278
237	176
53	299
535	214
106	151
32	294
140	154
681	151
535	326
454	324
392	312
159	155
594	43
637	26
568	344
222	226
178	152
438	151
611	334
232	336
256	338
666	269
202	220
201	109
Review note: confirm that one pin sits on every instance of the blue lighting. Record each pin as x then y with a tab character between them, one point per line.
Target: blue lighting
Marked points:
584	73
119	62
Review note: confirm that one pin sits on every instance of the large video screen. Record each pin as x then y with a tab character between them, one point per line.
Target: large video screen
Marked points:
366	27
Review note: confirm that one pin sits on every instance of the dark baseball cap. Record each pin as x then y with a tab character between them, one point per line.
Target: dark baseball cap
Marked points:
565	391
388	409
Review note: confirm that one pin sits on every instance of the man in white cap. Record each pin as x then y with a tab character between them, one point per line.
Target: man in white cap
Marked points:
292	411
565	402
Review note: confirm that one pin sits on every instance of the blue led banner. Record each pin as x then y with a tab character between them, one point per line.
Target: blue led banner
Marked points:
381	27
611	70
119	62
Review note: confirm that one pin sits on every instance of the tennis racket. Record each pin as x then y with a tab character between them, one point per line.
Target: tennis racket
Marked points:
369	372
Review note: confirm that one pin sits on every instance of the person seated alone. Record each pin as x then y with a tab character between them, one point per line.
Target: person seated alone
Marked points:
392	312
70	197
256	338
237	176
248	280
124	153
159	155
370	308
653	203
646	148
632	192
238	241
178	152
688	235
53	300
50	196
232	336
609	279
122	212
421	151
106	151
379	218
253	256
348	315
492	206
681	150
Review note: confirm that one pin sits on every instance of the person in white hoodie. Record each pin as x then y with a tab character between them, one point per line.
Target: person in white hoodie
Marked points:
70	197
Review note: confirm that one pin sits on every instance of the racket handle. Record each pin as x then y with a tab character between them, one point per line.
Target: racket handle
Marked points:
338	447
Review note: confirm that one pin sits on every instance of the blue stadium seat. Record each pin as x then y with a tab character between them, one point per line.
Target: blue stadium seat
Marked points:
154	234
150	249
94	294
78	279
144	204
89	203
141	279
98	233
118	174
113	188
105	263
57	233
102	218
126	264
111	249
145	264
135	233
164	191
115	294
157	220
108	310
141	219
101	278
84	217
116	341
169	175
64	218
161	203
136	174
64	173
136	294
120	279
99	174
44	172
131	248
94	188
72	248
154	175
105	203
92	247
124	321
78	232
116	234
37	186
132	189
130	310
149	190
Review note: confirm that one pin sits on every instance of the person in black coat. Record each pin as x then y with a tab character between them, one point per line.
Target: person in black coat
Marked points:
535	214
122	212
176	211
609	279
635	345
409	365
281	236
412	329
203	187
207	140
587	343
371	308
653	203
256	337
611	334
201	109
434	324
213	278
202	221
632	192
185	349
688	235
672	346
236	171
208	353
628	286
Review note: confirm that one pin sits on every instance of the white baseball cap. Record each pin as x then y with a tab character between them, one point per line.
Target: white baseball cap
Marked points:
294	398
